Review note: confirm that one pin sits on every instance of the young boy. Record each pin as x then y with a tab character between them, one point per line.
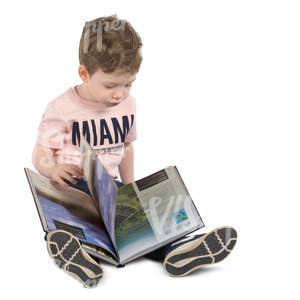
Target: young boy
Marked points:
102	109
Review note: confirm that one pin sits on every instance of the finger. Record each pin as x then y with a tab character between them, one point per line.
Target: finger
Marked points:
73	173
58	180
74	170
77	172
79	168
67	176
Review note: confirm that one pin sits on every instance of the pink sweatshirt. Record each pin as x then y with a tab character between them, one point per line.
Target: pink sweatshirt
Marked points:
106	129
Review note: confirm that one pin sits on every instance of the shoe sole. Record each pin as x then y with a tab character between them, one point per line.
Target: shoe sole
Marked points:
209	249
67	253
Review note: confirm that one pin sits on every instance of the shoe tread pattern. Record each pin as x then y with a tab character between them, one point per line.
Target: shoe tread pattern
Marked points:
67	253
213	247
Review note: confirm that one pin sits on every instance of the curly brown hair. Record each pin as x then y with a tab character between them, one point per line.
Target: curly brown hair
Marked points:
110	43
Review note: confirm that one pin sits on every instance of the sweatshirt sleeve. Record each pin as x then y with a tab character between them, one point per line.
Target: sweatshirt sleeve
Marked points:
52	129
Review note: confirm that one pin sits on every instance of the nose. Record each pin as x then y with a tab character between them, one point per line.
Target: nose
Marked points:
118	95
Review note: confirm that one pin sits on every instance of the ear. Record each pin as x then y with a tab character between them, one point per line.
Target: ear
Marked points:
83	73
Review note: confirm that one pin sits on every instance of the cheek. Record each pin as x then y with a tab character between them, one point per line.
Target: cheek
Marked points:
126	93
102	93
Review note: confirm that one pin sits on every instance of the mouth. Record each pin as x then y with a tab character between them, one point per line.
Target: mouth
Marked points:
113	103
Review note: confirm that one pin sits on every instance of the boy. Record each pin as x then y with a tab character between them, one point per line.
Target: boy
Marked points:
103	110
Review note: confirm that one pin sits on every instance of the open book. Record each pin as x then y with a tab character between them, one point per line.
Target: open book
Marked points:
115	224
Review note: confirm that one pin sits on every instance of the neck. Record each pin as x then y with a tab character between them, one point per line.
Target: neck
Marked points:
84	92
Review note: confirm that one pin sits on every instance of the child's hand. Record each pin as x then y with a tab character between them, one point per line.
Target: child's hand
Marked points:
65	171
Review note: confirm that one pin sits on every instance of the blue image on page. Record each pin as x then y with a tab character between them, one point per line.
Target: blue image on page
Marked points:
93	234
180	216
107	193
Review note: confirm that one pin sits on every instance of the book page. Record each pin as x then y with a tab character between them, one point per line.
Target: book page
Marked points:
88	157
165	209
69	209
100	253
167	203
133	232
106	191
101	185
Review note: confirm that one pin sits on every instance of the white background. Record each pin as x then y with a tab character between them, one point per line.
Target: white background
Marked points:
217	96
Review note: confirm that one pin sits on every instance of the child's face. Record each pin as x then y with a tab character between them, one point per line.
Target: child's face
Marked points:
109	88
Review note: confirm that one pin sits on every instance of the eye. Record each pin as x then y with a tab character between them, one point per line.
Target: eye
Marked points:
128	85
109	87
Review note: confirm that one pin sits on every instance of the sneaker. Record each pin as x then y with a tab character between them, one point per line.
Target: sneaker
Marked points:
67	253
194	252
